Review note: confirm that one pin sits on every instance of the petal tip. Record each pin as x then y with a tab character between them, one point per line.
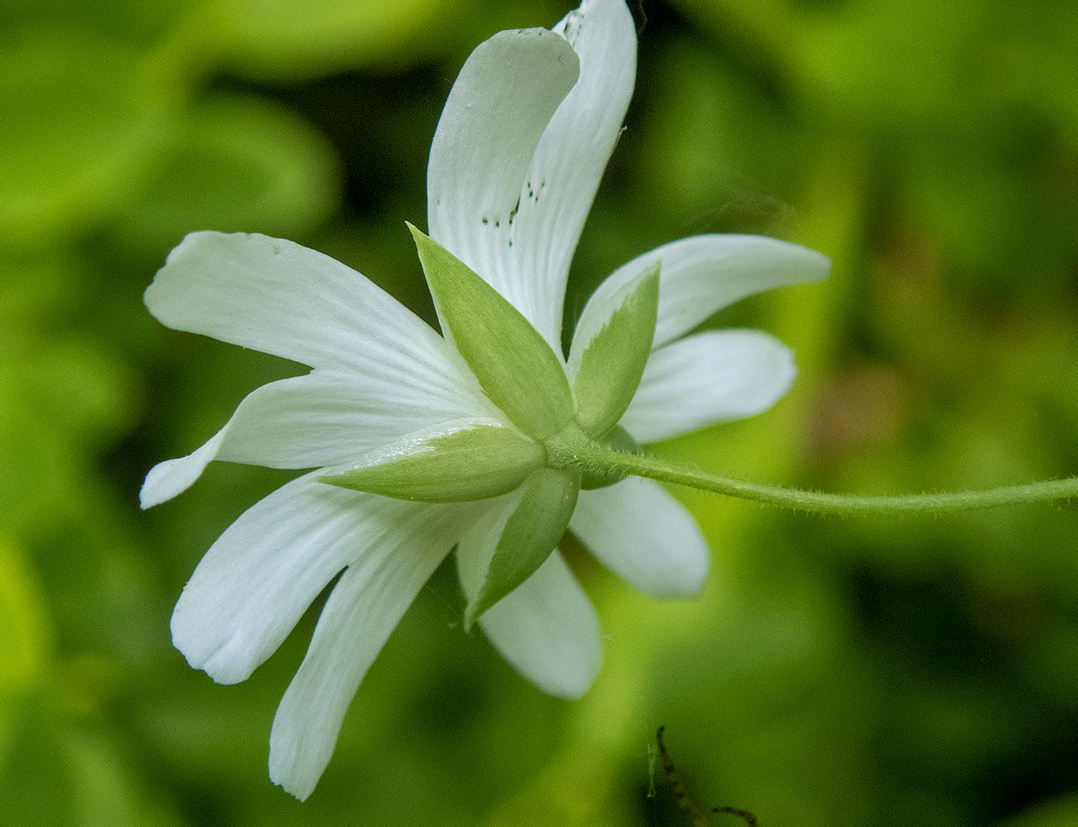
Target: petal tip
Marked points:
160	485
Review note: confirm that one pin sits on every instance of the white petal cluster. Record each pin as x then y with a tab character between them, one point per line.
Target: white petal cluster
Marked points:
514	166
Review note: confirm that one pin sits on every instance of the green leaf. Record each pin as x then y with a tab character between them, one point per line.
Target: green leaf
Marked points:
24	629
273	40
232	163
607	364
78	126
514	365
529	536
473	463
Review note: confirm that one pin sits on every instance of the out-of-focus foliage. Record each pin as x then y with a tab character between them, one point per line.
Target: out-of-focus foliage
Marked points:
885	671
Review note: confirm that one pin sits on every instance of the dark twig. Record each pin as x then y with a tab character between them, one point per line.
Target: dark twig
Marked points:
750	819
684	803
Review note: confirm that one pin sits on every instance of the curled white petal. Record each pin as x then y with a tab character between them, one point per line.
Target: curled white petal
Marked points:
548	631
707	378
640	532
544	165
703	274
499	106
569	162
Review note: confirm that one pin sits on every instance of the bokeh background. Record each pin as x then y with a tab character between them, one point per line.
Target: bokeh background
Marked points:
921	670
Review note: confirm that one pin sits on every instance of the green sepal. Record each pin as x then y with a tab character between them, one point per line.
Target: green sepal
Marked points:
531	533
620	440
515	367
606	364
473	463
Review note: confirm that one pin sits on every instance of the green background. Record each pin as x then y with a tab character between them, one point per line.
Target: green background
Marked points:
921	670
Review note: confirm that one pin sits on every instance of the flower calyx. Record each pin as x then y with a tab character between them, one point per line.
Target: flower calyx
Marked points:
552	413
515	366
454	463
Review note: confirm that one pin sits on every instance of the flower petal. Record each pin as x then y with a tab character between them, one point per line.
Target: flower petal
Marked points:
524	249
710	377
548	631
174	476
393	562
571	158
278	297
321	419
703	274
496	112
260	576
643	534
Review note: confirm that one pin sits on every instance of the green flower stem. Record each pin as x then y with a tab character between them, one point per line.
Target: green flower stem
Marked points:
571	449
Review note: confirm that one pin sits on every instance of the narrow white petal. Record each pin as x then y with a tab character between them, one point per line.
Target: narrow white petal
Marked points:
703	274
707	378
278	297
548	631
643	534
323	418
388	570
499	106
327	419
524	248
569	162
258	579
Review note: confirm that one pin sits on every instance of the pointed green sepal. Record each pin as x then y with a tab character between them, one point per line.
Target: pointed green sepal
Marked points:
452	464
515	367
606	364
529	536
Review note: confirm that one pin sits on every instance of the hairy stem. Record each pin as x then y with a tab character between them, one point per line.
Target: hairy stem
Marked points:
574	450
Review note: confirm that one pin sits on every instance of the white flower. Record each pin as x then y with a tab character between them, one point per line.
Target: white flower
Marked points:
514	166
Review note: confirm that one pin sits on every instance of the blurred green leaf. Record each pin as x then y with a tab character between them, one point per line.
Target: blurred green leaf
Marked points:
136	22
232	163
25	637
77	124
1058	812
278	39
